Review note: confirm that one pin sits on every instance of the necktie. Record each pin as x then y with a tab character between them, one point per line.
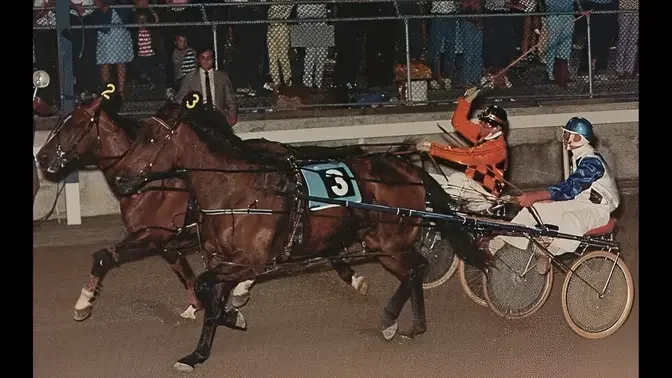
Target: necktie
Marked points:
208	91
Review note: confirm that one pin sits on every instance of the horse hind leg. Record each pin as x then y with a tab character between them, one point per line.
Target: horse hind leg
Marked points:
182	269
417	294
409	269
349	276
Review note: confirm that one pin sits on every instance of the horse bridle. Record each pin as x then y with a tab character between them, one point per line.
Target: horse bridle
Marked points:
144	172
64	157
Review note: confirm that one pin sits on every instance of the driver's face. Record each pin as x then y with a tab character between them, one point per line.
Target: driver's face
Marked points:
568	138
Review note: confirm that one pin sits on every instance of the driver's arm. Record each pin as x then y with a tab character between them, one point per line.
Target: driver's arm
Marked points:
463	124
589	170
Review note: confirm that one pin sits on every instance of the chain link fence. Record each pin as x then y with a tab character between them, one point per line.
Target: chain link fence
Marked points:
283	54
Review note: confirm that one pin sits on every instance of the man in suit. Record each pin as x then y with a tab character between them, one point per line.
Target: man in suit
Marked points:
217	90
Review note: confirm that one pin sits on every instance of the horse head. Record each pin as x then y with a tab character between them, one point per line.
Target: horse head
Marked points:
159	146
80	133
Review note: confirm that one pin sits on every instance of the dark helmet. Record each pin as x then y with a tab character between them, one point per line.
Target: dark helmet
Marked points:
494	116
581	126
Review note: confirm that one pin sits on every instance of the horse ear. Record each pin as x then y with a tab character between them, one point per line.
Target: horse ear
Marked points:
193	101
110	98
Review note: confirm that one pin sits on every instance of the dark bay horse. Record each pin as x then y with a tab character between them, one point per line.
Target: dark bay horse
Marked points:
256	220
95	134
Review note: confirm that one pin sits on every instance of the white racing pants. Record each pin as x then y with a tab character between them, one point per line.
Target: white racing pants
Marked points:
465	188
574	217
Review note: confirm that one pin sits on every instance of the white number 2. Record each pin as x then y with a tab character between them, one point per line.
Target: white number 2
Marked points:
341	187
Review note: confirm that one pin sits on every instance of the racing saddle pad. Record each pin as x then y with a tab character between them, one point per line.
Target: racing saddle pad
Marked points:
333	180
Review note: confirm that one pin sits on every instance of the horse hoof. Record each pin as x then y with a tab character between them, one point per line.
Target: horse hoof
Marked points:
410	335
233	319
189	313
389	332
83	314
184	368
359	284
240	322
239	301
364	289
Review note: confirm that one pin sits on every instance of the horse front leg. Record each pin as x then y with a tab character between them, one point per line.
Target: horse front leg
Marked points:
349	276
131	248
213	296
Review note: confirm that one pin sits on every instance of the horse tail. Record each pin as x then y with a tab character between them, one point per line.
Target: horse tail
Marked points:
457	236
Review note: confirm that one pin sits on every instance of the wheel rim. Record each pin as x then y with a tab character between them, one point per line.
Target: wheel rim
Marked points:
585	308
439	254
511	290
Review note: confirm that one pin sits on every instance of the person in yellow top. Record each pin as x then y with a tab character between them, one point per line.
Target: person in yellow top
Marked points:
481	167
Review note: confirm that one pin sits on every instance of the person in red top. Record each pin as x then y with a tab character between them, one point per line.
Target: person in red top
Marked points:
481	167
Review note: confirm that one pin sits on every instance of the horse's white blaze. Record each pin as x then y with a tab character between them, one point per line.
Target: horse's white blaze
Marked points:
84	300
189	313
242	288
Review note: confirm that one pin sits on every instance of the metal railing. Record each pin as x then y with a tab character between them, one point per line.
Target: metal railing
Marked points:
319	47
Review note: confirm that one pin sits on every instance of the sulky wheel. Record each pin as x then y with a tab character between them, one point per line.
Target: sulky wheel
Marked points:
471	279
588	314
442	262
513	288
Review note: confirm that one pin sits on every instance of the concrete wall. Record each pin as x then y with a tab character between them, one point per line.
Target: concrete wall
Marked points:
534	140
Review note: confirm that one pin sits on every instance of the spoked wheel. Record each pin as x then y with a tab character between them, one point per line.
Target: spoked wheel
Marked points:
439	253
513	288
588	313
471	279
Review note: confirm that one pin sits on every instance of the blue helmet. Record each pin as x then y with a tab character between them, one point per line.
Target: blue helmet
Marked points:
581	126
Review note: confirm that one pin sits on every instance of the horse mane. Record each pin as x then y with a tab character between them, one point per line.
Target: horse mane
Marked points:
170	112
213	129
130	126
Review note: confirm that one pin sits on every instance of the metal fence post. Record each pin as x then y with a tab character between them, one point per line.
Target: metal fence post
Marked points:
67	80
409	93
590	57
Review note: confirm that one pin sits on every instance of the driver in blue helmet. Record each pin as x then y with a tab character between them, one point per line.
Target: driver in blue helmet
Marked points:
585	200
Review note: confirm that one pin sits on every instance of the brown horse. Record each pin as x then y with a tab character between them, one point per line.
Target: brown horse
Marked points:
257	220
95	134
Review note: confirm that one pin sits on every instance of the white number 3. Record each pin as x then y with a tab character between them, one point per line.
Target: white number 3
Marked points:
341	187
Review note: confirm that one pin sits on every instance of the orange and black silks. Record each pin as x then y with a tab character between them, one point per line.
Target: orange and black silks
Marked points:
485	162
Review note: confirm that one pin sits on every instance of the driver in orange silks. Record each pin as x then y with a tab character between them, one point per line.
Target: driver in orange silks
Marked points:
480	178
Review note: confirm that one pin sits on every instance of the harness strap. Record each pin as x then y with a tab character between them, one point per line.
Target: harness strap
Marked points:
297	212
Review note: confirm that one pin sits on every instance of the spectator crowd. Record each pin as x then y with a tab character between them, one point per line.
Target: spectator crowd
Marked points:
279	48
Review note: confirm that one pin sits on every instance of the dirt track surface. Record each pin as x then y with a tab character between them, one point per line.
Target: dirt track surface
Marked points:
307	326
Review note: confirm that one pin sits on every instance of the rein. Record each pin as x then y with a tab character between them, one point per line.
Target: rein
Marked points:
65	157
